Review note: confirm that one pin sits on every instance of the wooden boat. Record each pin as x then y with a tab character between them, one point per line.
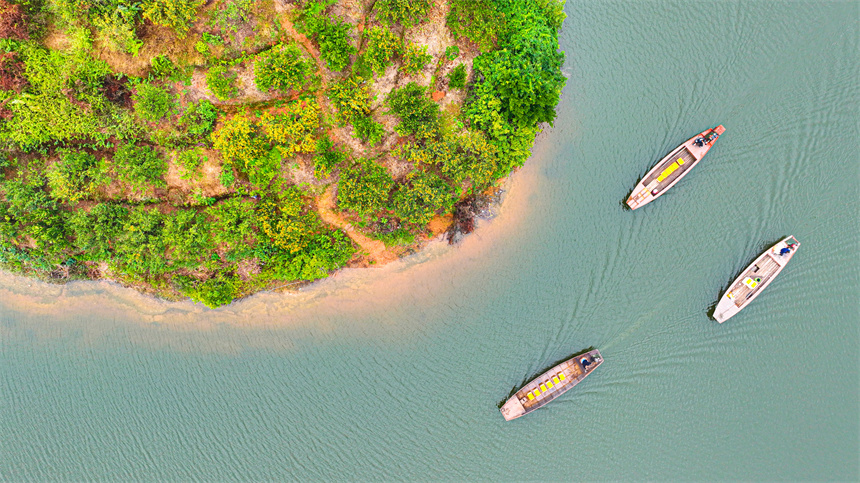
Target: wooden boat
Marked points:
755	278
551	384
673	167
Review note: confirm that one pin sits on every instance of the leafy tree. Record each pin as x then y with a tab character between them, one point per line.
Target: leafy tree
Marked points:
327	157
199	118
221	81
176	14
423	196
282	68
364	188
415	58
418	113
332	35
187	237
75	177
214	292
233	222
382	47
457	77
295	127
351	98
139	166
95	231
152	102
368	130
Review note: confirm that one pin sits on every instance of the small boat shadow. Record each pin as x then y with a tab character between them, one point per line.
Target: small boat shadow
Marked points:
550	366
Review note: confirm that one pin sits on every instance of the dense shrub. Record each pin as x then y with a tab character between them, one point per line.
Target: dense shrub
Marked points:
51	109
12	73
382	47
199	118
139	166
422	197
187	237
189	160
418	113
480	21
282	68
327	158
152	102
294	128
75	177
332	35
176	14
351	98
364	188
405	12
415	58
368	130
457	77
221	81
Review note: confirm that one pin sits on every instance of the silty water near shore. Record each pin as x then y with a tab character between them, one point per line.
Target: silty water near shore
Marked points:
395	373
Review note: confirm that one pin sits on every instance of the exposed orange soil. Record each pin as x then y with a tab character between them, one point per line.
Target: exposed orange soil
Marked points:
376	250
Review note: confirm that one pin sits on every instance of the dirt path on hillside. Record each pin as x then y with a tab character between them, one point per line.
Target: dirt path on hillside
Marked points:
376	250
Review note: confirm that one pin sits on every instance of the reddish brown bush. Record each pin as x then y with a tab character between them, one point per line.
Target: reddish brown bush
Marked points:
11	73
12	22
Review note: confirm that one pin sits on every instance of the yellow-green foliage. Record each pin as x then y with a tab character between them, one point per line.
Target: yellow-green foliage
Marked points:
176	14
364	188
75	177
295	128
238	139
351	98
286	221
382	47
282	68
415	58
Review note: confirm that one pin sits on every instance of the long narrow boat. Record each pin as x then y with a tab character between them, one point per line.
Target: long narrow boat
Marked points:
551	384
755	278
673	167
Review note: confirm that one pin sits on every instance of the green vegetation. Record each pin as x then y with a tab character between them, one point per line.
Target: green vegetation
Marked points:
221	81
152	102
457	77
382	47
405	12
332	35
415	58
116	166
284	68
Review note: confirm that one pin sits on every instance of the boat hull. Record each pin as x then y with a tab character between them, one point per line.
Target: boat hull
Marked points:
673	167
551	384
755	278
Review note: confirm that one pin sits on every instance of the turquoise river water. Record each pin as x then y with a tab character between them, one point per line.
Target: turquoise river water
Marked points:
395	373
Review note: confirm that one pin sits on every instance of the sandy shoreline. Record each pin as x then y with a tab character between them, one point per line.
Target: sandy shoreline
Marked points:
351	290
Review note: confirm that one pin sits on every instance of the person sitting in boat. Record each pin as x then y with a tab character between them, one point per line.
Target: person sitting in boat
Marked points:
699	142
785	251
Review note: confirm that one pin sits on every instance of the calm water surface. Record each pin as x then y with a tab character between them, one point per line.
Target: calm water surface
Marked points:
396	372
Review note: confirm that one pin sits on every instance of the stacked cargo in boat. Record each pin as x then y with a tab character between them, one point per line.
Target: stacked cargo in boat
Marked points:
551	384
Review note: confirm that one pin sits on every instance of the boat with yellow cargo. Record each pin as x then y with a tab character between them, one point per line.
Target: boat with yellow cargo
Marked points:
551	384
673	167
